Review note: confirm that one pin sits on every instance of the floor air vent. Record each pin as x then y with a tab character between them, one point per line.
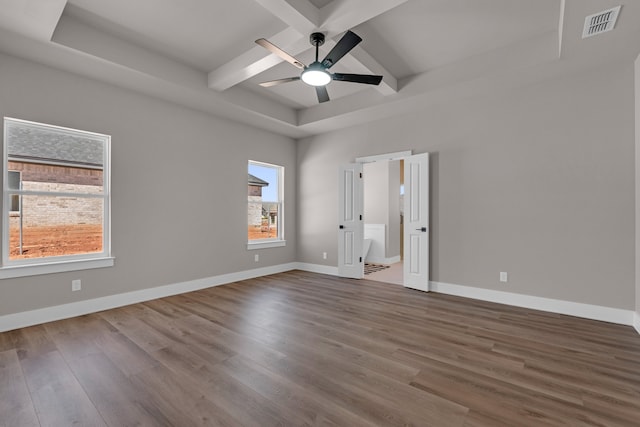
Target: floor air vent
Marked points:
600	22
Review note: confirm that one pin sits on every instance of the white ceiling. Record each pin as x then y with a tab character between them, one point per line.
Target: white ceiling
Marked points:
201	53
419	36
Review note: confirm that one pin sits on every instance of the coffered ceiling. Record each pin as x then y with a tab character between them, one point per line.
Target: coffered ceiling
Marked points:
201	53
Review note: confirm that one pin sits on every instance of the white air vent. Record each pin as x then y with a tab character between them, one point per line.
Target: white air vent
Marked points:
600	22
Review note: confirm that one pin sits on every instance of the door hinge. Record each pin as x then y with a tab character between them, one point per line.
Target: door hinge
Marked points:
360	259
360	174
360	217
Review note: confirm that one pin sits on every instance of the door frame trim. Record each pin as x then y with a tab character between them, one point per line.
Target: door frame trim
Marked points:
398	155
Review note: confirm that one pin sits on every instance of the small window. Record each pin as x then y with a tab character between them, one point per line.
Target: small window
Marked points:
56	196
265	205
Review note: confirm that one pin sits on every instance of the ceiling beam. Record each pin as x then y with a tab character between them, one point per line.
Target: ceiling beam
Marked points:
563	6
361	58
304	18
255	60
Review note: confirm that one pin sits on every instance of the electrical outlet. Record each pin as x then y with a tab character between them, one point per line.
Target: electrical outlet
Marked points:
324	255
76	285
503	276
256	257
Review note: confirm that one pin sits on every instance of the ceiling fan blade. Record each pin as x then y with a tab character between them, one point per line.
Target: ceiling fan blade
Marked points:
279	81
323	95
281	53
358	78
346	43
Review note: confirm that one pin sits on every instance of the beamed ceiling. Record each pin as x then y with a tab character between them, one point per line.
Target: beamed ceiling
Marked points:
201	53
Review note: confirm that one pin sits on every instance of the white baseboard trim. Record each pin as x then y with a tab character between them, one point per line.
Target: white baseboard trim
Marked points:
49	314
588	311
317	268
424	288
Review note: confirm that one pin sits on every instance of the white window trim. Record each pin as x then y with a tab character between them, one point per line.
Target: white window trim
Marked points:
12	271
56	264
280	240
261	244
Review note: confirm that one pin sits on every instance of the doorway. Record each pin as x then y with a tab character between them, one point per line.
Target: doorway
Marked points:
351	242
383	210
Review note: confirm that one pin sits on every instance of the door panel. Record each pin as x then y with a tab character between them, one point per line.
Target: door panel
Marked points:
351	226
349	255
416	222
414	260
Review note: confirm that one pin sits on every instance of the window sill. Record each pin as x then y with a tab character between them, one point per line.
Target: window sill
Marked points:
12	271
264	245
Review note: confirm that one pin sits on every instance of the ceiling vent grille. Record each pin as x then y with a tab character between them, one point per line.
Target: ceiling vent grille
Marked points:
600	22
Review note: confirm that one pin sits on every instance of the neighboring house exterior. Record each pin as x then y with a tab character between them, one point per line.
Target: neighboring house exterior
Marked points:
40	161
255	200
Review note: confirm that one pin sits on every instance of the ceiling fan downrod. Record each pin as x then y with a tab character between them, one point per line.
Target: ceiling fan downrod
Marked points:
317	40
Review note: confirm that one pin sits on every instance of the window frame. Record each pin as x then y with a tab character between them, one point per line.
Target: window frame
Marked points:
278	241
54	264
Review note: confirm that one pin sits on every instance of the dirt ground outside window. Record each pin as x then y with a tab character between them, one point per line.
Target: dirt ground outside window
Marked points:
262	232
45	241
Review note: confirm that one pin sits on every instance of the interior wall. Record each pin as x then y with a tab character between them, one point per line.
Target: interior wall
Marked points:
637	186
376	193
393	231
537	181
381	201
179	185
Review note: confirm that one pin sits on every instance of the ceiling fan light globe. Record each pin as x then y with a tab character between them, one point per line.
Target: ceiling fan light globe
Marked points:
316	77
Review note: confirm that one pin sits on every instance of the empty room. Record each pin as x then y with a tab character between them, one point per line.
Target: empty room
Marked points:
320	213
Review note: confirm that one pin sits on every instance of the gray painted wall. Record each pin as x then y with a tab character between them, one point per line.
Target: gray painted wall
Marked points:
393	231
537	182
179	185
376	193
637	194
381	201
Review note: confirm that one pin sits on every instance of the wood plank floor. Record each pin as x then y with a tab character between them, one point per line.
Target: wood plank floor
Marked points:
305	349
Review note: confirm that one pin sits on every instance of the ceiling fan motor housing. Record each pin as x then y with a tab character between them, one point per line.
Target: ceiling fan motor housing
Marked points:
316	39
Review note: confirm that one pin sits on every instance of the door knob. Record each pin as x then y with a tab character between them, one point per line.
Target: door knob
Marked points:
423	229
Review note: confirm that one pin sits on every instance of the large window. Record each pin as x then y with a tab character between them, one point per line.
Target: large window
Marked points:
265	205
55	198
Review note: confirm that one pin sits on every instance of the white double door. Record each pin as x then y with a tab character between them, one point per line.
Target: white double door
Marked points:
416	222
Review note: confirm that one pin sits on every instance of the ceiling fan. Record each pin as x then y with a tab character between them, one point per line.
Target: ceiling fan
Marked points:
317	73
